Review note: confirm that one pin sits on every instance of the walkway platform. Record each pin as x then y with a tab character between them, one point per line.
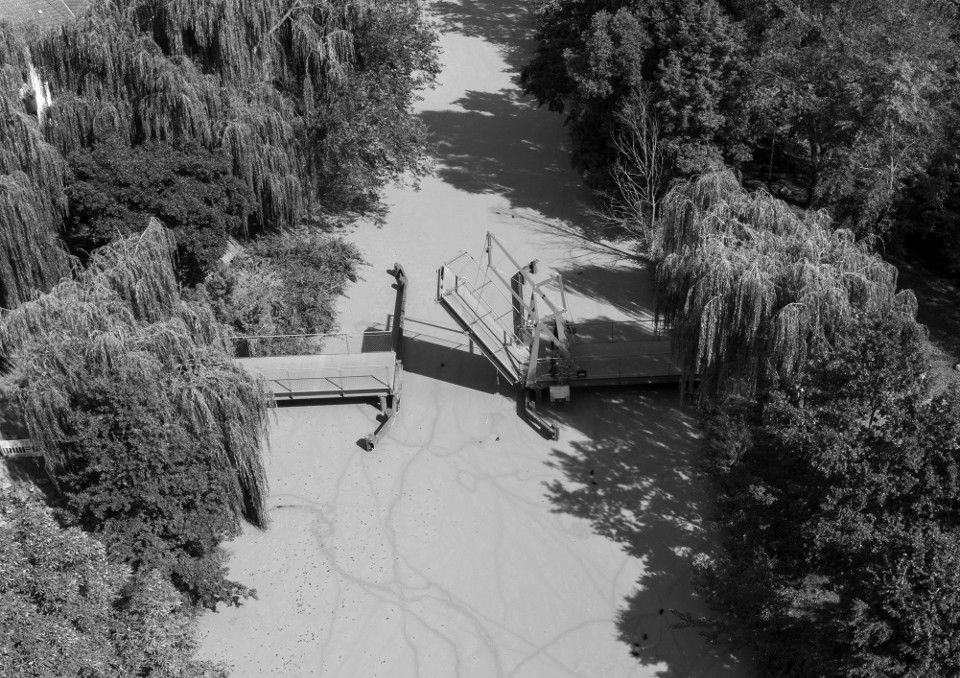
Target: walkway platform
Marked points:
493	310
335	366
338	376
613	363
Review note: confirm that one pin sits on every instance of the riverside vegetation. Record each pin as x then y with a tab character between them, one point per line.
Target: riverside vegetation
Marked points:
174	128
833	451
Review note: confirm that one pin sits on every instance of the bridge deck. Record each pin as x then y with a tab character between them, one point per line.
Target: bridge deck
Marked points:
355	375
610	363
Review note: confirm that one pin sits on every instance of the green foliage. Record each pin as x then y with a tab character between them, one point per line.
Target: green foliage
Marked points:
927	217
115	188
595	57
839	499
752	289
818	90
137	475
31	186
868	107
310	100
67	610
282	284
698	84
122	322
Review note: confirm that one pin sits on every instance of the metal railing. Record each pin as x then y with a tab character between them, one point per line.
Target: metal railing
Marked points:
20	446
632	366
613	330
329	380
489	298
334	343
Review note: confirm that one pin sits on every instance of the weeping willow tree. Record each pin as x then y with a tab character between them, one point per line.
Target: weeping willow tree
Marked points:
123	315
752	289
310	98
32	202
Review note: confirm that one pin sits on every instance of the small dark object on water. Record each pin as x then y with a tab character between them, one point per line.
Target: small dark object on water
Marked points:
661	610
591	471
593	482
644	636
441	364
498	437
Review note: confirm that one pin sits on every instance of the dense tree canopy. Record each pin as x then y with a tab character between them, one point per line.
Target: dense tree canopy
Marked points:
308	104
840	104
32	174
840	498
152	432
310	100
837	463
66	609
594	57
114	189
223	118
864	87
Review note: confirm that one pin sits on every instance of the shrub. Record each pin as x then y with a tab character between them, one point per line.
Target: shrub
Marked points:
286	283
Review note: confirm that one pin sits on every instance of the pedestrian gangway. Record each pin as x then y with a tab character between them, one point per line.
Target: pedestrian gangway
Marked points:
333	366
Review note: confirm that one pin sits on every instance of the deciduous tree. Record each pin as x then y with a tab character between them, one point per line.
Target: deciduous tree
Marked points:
165	473
66	609
840	500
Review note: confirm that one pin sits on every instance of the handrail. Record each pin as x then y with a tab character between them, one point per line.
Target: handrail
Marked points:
663	360
311	336
614	328
332	343
19	446
335	377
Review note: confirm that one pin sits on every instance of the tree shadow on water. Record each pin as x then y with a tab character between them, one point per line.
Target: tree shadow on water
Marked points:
636	479
502	144
627	288
509	24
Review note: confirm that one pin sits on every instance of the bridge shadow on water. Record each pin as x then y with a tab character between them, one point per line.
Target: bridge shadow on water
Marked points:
444	353
635	476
